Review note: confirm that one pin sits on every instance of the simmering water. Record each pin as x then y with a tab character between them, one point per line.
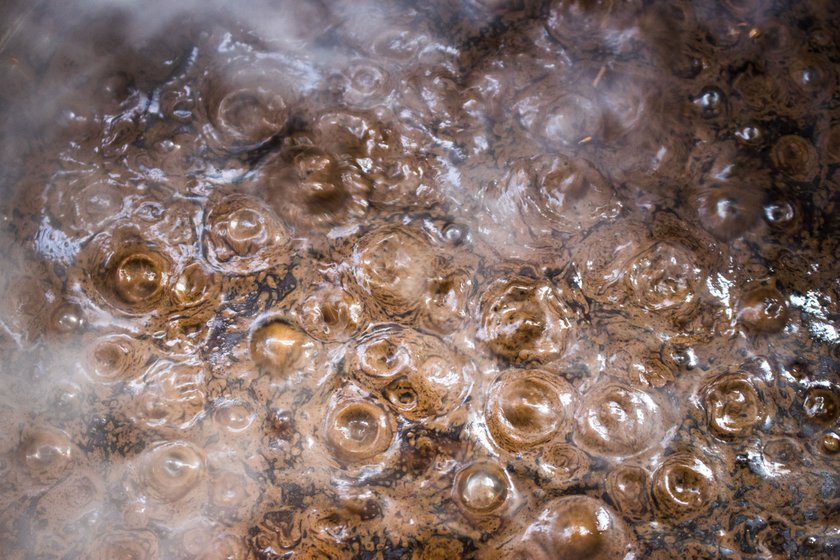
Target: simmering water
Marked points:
420	280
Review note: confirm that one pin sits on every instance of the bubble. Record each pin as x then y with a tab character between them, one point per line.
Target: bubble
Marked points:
683	487
228	490
578	527
68	317
365	84
814	75
830	443
796	158
417	374
245	107
666	276
235	416
481	488
331	313
728	213
129	273
710	102
117	134
433	388
359	430
193	285
310	187
457	234
618	421
781	214
733	405
444	309
763	310
171	470
173	397
139	278
527	407
402	396
629	489
524	320
393	264
47	455
601	258
785	452
383	353
562	122
244	235
125	545
569	195
97	203
821	405
561	465
278	346
750	135
177	102
115	357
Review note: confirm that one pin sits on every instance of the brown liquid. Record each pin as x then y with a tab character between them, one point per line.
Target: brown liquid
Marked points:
482	279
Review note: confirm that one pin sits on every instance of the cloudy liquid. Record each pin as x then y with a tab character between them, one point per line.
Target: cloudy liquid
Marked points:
439	280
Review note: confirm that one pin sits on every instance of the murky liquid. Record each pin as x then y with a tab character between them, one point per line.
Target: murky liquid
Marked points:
437	280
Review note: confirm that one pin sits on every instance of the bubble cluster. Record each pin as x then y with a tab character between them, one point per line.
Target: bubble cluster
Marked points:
421	280
415	373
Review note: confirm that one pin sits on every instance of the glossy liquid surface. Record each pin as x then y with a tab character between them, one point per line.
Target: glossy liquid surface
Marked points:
420	280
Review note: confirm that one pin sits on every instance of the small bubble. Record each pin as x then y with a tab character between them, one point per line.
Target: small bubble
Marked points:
750	135
710	101
481	488
822	405
831	443
763	310
278	346
779	213
455	233
359	430
68	317
138	279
